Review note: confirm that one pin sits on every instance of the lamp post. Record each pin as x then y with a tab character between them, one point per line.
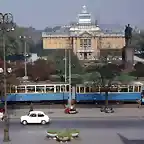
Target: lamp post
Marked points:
6	25
65	65
69	55
24	38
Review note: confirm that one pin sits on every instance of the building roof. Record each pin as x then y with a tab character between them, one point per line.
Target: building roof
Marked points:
84	23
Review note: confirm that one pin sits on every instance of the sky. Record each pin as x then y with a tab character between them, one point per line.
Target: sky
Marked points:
46	13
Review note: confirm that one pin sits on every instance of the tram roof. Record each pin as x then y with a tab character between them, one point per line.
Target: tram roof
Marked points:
41	83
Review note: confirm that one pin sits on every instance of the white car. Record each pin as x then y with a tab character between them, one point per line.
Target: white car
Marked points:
1	115
35	117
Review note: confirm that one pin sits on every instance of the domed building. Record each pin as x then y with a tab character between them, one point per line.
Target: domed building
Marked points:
84	37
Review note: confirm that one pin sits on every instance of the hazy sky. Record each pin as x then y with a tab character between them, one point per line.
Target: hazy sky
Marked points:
43	13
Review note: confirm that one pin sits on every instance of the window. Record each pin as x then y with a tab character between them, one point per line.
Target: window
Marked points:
140	88
13	89
95	89
130	88
85	41
49	88
62	88
30	89
32	115
113	89
57	88
136	89
40	115
77	89
87	89
89	42
85	55
67	88
90	89
8	89
124	89
81	42
84	17
20	89
81	89
40	89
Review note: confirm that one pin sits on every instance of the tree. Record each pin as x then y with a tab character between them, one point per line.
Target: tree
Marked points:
40	70
107	73
125	78
138	70
58	58
11	78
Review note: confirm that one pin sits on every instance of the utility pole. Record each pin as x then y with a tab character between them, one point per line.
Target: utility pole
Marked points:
25	56
70	47
6	25
65	65
24	38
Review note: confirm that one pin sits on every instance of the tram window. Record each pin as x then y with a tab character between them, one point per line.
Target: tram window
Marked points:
67	88
8	89
77	89
63	88
49	88
130	88
57	88
87	89
20	89
113	89
95	89
40	89
136	89
13	89
81	89
90	89
124	89
140	88
30	89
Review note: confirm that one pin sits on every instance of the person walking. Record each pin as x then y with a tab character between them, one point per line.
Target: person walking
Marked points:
31	107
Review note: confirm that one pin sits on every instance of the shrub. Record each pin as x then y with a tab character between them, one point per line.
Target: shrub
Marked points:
53	131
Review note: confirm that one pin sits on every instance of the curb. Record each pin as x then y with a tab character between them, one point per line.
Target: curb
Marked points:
109	117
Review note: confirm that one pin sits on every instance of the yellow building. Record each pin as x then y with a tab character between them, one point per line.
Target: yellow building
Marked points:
86	38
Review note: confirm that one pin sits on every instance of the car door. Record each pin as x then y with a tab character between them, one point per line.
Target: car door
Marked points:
40	117
32	118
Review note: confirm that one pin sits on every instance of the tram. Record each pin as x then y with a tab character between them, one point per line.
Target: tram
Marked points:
80	93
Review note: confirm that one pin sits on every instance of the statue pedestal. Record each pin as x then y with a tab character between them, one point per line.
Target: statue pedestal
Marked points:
128	57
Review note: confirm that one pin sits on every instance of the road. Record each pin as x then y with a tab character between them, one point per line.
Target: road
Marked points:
83	124
102	131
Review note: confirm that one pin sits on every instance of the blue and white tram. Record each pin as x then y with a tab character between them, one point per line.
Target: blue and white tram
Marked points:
81	93
124	93
38	93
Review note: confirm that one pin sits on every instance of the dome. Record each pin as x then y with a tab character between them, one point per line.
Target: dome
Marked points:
84	17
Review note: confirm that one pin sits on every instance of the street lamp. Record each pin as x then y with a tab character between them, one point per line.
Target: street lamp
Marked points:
69	59
65	59
6	25
24	38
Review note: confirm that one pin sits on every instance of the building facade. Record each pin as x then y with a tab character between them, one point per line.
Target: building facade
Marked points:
85	38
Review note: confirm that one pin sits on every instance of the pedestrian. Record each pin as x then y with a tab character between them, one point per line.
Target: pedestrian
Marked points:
31	107
139	103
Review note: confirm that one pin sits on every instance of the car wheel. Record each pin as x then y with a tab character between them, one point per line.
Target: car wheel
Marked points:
43	122
24	122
